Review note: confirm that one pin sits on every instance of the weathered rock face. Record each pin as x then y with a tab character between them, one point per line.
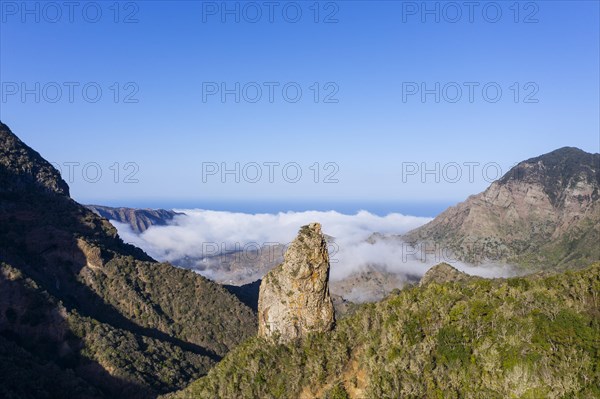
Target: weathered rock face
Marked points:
294	297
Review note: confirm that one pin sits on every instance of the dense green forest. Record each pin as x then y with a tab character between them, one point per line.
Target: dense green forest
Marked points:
530	338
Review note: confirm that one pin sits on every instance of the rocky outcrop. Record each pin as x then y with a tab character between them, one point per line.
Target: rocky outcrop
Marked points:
543	213
294	297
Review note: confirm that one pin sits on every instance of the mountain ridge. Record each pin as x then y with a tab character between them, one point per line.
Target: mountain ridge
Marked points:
71	291
21	166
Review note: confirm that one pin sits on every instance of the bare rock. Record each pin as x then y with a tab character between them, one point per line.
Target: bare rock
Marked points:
294	297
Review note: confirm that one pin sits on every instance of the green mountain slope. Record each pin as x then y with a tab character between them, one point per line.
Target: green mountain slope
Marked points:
535	337
80	301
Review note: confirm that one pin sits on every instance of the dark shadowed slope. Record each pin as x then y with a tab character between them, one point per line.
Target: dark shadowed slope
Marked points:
84	304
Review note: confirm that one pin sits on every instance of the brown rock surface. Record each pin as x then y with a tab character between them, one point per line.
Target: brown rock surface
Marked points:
294	297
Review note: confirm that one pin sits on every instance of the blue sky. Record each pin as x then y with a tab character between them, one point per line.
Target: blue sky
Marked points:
365	131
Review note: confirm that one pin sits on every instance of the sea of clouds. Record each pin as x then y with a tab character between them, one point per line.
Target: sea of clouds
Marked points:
202	233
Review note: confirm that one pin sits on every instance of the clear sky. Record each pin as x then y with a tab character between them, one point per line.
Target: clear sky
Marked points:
161	132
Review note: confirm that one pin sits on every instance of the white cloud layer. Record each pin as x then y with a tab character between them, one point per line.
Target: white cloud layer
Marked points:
198	234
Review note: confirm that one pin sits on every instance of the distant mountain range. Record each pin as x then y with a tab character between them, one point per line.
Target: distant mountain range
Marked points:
543	214
139	219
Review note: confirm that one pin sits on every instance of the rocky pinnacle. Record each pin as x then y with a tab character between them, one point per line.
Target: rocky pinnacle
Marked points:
294	297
